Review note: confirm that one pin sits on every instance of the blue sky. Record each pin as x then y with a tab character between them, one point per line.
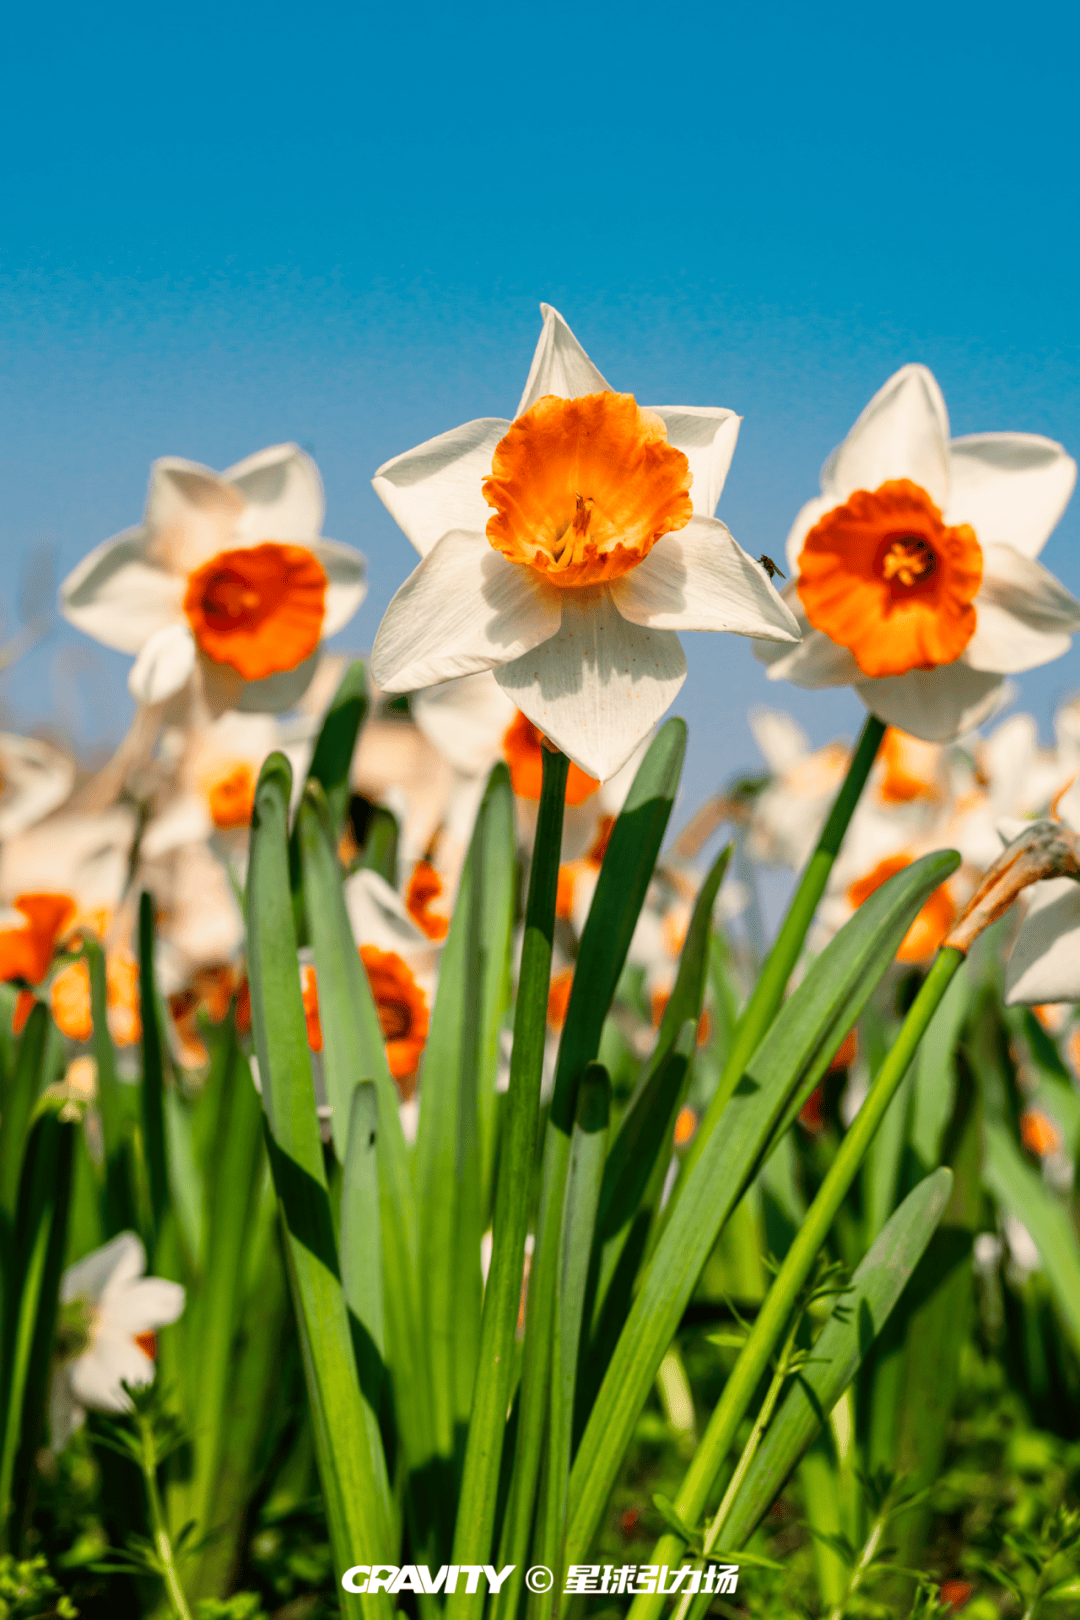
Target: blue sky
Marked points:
226	228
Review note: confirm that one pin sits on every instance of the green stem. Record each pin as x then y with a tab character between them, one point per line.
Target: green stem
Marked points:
780	1301
768	993
691	1607
162	1541
475	1526
866	1558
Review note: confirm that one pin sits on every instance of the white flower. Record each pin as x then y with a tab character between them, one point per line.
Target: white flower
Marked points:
34	779
110	1314
1044	963
227	571
914	573
595	554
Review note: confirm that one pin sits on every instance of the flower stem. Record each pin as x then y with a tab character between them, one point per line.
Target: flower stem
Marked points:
491	1392
768	993
773	1317
162	1541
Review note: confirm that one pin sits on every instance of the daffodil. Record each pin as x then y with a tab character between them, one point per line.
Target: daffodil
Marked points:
1044	963
915	573
227	572
110	1312
564	549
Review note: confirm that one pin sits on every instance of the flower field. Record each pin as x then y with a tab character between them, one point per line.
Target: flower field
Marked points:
426	1183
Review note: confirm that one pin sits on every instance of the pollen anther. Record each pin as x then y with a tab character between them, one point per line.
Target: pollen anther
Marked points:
910	560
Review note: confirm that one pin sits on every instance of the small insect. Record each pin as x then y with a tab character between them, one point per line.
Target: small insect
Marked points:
770	567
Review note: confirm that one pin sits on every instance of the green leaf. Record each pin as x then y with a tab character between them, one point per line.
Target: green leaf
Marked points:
361	1240
578	1225
646	1126
457	1118
792	1058
26	1086
354	1051
336	742
840	1349
118	1204
30	1306
352	1467
617	901
1022	1192
153	1077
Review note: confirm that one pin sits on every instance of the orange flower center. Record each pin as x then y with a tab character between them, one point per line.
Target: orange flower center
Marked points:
425	886
309	991
27	952
403	1013
231	796
147	1343
930	926
259	609
583	488
72	1008
523	750
1038	1132
883	576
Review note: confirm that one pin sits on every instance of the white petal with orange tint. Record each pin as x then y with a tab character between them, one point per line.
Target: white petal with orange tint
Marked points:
464	609
437	486
782	741
706	435
144	1305
902	433
699	579
560	365
1025	616
346	584
466	720
191	514
122	1256
815	661
96	1376
34	779
119	596
1044	964
597	686
938	705
164	663
284	495
809	515
1011	487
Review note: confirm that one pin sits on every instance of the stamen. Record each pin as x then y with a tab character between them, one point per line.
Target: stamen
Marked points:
909	560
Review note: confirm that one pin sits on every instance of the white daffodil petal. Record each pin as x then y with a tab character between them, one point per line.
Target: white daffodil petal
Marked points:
438	486
164	664
706	435
809	515
97	1375
781	739
146	1305
560	365
191	514
1011	487
1024	615
346	584
283	493
34	779
598	686
699	579
937	705
378	917
466	721
119	595
274	694
463	609
902	433
1044	964
814	662
87	1278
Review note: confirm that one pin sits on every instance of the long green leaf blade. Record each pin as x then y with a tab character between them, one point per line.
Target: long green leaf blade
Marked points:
787	1065
351	1463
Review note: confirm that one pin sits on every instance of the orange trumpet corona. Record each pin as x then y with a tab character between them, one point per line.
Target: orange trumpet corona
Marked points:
259	609
583	488
885	577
